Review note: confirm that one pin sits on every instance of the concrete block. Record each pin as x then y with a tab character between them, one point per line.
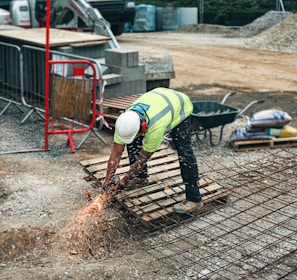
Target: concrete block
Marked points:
121	57
125	88
130	73
111	79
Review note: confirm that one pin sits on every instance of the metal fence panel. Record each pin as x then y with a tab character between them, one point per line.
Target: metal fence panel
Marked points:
22	83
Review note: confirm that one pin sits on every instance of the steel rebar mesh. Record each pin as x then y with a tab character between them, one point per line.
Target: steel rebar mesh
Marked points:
252	237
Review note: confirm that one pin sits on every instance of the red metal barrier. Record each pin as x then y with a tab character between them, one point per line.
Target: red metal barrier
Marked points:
71	99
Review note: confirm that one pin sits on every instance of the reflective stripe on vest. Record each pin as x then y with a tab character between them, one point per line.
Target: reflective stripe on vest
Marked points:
169	108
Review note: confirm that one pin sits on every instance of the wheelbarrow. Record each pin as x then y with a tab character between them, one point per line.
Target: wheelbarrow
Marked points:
208	114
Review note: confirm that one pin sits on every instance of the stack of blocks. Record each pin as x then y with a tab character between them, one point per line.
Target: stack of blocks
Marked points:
126	75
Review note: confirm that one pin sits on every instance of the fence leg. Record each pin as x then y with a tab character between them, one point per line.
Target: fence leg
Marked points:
30	113
5	108
18	106
88	135
70	142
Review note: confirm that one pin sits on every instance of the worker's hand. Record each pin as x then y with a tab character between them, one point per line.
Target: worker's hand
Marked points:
114	185
124	181
105	186
121	187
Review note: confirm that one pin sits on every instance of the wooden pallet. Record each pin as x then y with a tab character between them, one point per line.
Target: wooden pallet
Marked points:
96	168
264	144
113	107
150	208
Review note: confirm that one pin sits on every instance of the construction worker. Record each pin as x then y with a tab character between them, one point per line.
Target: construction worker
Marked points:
142	127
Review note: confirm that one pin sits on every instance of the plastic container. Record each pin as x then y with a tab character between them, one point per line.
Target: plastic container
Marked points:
171	18
145	18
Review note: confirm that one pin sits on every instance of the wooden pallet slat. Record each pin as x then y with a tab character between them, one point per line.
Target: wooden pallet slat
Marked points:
163	151
156	209
163	197
159	185
163	212
99	175
113	107
247	145
154	206
158	192
148	198
97	167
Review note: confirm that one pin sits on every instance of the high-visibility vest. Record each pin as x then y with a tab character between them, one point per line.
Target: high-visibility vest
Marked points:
163	109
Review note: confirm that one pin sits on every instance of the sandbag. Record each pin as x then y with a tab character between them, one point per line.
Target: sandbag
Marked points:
269	118
241	134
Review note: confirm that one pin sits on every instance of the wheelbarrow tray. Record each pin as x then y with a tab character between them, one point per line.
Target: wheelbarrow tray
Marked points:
209	114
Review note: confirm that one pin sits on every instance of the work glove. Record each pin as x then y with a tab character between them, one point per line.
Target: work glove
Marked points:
105	187
121	187
114	186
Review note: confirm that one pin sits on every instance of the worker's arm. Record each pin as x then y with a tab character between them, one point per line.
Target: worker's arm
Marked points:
113	162
136	167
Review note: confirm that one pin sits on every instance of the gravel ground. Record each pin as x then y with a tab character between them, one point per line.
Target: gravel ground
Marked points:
45	233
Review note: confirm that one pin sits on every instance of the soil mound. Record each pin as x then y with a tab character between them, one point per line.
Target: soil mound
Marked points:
262	23
256	27
206	28
273	31
280	37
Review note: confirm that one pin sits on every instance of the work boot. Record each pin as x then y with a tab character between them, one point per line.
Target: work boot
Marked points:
187	206
137	183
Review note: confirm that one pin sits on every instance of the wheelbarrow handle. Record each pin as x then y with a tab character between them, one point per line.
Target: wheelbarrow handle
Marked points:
227	95
248	106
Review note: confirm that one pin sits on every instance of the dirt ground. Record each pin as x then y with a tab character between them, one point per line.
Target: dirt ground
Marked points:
201	59
44	234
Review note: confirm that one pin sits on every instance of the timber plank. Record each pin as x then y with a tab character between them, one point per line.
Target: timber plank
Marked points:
165	180
264	144
99	164
169	210
163	161
160	204
124	169
120	102
164	194
150	188
102	166
113	107
161	197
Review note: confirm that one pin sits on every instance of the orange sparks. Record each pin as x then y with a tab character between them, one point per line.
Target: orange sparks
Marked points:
96	206
88	195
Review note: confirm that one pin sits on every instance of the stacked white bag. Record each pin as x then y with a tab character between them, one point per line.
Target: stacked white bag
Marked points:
266	124
272	122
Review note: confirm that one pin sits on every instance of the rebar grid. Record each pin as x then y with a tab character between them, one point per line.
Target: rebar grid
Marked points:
252	237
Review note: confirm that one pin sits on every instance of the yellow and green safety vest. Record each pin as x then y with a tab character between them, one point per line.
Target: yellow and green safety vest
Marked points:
163	109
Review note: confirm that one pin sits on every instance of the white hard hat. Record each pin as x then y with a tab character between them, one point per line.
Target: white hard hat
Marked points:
127	126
